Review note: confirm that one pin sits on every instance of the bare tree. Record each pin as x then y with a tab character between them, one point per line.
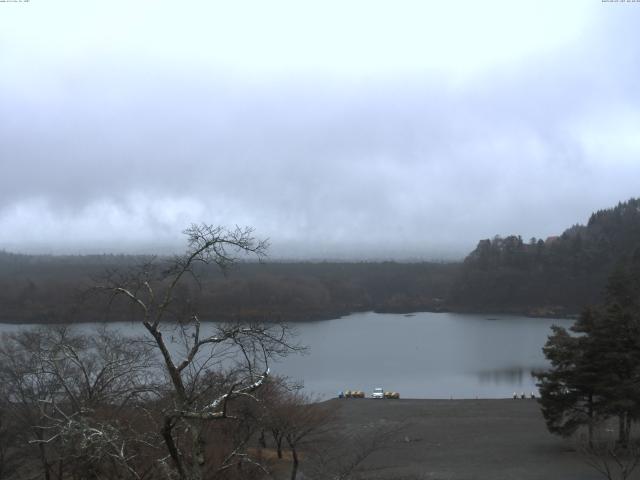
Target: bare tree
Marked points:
179	403
28	392
238	354
305	418
343	455
294	419
68	392
9	448
611	459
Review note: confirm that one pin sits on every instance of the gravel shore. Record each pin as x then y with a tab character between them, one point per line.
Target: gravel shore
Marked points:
464	439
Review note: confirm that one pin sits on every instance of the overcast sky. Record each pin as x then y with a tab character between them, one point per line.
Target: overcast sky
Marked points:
338	129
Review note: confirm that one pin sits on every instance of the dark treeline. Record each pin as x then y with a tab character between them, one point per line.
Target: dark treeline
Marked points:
54	289
546	277
555	276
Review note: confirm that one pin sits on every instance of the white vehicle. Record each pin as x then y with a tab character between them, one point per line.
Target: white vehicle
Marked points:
377	393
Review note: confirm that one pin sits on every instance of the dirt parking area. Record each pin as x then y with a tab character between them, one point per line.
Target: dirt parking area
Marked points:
463	439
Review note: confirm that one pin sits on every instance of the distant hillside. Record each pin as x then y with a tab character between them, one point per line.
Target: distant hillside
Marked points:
52	289
555	276
558	275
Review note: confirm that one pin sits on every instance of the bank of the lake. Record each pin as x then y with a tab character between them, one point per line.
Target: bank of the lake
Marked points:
463	440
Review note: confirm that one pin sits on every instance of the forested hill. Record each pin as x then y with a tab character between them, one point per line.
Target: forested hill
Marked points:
557	275
53	289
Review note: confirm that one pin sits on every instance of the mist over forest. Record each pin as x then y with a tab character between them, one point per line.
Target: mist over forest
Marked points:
556	276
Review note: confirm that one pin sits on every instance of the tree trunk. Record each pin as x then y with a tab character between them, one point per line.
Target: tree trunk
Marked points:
620	429
591	421
197	454
623	432
294	466
277	437
171	446
261	440
45	463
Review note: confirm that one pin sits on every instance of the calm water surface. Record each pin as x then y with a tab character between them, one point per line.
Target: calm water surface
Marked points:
422	355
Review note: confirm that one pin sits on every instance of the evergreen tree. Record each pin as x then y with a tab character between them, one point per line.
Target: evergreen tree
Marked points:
567	393
595	368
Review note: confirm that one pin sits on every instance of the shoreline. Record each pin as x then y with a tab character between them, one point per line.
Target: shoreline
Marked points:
498	439
322	317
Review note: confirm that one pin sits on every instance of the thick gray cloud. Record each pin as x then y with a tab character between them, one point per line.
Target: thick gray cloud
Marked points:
104	150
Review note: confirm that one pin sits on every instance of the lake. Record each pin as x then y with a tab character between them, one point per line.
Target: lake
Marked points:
421	355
